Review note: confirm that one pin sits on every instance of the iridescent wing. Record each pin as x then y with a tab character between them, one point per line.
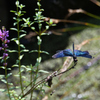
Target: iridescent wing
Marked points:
68	52
79	53
58	55
63	53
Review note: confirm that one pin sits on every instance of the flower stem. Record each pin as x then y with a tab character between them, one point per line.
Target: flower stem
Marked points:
6	76
19	53
7	81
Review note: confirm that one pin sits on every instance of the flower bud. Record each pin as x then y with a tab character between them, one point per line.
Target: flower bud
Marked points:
5	64
0	48
5	55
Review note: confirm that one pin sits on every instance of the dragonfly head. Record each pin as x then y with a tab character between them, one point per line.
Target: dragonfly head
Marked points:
75	58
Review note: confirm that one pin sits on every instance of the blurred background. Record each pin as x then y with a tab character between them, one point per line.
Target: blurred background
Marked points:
81	83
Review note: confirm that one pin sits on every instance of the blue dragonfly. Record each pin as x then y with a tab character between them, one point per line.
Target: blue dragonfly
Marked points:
74	54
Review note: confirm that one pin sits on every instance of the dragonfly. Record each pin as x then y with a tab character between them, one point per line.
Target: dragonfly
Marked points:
74	54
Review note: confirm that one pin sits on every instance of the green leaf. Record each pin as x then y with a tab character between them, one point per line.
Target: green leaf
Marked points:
2	67
39	59
17	87
12	11
8	68
19	14
40	25
51	22
10	83
28	69
23	77
2	90
44	52
2	76
32	24
21	56
15	23
13	39
0	57
17	61
17	3
47	27
33	51
44	34
22	31
9	74
25	50
22	35
22	70
37	64
24	19
3	80
36	9
38	3
42	10
33	28
17	42
14	29
14	18
39	40
23	66
21	6
11	88
12	51
47	23
2	60
16	75
21	45
24	25
15	65
43	71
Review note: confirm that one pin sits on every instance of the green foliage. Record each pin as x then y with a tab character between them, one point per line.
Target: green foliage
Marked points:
35	73
19	28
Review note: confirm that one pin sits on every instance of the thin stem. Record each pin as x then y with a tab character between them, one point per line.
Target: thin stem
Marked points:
19	53
31	82
39	48
7	80
92	15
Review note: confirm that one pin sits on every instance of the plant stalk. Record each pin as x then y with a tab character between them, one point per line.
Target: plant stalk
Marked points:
19	54
7	80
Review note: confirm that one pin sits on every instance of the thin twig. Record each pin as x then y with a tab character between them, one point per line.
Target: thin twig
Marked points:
54	74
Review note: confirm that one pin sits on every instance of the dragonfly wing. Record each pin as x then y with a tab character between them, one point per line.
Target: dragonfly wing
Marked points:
58	55
79	53
63	53
68	52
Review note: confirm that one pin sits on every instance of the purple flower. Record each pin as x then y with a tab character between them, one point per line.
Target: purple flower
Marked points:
4	45
5	55
4	34
3	37
0	48
7	41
